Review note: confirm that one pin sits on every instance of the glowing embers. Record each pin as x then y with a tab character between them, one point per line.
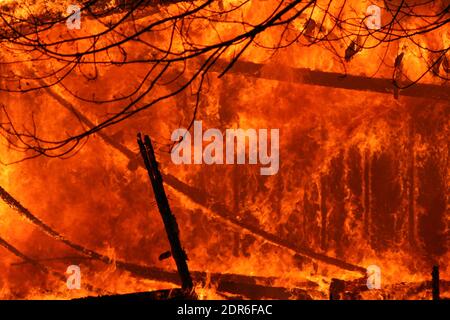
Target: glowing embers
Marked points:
213	152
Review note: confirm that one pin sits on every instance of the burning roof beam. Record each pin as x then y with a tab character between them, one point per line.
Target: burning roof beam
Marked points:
333	80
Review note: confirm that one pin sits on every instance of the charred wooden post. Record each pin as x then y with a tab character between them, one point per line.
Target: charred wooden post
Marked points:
435	282
170	222
348	289
337	287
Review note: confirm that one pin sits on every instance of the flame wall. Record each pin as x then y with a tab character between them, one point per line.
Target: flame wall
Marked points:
363	177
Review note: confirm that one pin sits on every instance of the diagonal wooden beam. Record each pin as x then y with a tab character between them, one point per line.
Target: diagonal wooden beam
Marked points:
8	246
169	220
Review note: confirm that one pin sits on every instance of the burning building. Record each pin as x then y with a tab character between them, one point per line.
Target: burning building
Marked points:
363	116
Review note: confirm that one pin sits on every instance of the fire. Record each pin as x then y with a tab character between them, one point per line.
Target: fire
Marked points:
363	176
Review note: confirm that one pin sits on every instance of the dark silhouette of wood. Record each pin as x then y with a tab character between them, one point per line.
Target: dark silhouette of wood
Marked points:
165	255
71	259
337	287
165	294
435	283
249	291
170	222
257	292
347	289
334	80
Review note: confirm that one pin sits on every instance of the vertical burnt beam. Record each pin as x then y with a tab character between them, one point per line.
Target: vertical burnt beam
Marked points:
435	282
170	222
337	288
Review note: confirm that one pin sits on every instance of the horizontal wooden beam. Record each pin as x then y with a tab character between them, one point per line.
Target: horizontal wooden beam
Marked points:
332	79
